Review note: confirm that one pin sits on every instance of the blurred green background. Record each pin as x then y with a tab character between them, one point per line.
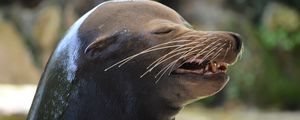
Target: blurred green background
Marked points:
265	82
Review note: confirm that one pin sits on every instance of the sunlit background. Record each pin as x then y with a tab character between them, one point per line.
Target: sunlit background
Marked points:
265	82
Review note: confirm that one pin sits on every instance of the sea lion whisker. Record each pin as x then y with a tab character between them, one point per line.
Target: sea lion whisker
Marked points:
205	37
217	54
155	49
211	51
192	52
191	48
161	58
198	54
204	50
199	45
122	62
162	72
171	52
150	69
171	69
175	61
118	63
189	51
159	61
151	49
226	51
166	43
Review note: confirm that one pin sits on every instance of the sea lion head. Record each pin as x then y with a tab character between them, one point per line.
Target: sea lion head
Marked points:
149	52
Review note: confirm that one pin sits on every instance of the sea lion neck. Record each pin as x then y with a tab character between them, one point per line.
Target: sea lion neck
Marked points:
116	95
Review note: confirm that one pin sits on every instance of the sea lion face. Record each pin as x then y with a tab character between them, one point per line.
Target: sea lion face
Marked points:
148	43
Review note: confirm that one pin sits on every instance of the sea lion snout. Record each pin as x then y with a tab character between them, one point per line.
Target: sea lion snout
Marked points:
238	41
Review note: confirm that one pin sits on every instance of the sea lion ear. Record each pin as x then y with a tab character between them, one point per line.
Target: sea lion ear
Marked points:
95	48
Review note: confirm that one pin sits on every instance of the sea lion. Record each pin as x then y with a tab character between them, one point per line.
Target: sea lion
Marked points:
132	60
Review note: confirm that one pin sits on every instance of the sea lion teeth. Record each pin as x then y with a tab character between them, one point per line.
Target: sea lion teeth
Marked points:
206	68
223	66
213	67
215	64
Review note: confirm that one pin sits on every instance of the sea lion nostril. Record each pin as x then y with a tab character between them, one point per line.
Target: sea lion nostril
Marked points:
237	41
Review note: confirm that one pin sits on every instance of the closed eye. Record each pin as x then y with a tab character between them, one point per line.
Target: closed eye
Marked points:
163	31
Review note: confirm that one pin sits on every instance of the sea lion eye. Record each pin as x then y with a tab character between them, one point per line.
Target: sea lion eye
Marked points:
163	31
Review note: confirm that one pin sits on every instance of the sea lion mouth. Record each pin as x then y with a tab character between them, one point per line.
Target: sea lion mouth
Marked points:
190	56
202	67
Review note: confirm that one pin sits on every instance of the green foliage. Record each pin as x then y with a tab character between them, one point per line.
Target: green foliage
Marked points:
279	38
274	88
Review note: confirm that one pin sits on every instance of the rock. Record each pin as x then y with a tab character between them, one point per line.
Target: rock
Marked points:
22	18
16	64
46	30
70	16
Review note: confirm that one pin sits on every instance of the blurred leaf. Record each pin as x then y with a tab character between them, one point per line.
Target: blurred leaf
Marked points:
279	38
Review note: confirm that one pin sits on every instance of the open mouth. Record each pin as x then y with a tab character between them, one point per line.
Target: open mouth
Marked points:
202	67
